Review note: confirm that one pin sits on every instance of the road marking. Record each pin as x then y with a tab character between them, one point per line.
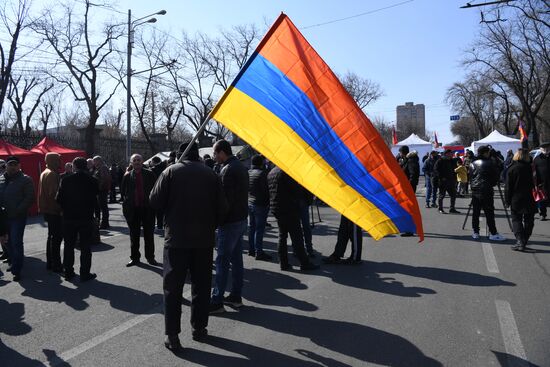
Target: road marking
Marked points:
109	334
490	259
510	335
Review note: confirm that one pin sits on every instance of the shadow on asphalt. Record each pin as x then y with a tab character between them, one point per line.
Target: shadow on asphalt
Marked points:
263	287
376	346
505	360
369	276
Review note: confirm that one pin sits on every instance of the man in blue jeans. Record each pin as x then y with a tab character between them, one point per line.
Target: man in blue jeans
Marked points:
258	207
16	196
234	177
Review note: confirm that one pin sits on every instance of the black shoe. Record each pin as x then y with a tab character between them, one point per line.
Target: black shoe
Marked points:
200	334
152	262
58	270
434	205
442	211
311	254
16	277
332	259
309	267
68	275
132	263
88	277
234	301
285	266
251	253
262	256
428	205
517	247
454	211
350	261
4	256
104	226
6	260
172	342
216	308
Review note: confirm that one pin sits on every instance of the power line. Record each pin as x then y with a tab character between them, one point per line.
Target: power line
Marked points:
358	15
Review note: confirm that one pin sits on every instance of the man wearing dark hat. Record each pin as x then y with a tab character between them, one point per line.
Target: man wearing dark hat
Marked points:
16	196
542	169
135	188
77	197
444	169
194	205
484	176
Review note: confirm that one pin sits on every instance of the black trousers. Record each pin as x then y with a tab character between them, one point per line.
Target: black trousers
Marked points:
348	231
160	218
177	262
83	229
112	194
522	224
449	187
53	242
289	224
487	204
542	208
102	208
142	217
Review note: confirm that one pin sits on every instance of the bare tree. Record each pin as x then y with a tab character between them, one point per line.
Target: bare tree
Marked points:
464	131
14	19
46	110
517	53
19	91
71	37
384	128
364	91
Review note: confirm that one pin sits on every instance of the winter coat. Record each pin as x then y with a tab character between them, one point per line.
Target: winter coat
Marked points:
103	177
258	190
284	193
77	196
128	191
48	185
428	167
16	194
412	168
444	170
484	175
234	176
542	169
518	187
193	201
461	173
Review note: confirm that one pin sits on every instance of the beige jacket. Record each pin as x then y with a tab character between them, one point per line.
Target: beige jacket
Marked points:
49	183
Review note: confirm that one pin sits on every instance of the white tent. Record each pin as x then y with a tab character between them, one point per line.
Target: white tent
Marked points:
414	142
498	141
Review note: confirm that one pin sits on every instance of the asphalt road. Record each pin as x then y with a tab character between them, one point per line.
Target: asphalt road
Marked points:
449	301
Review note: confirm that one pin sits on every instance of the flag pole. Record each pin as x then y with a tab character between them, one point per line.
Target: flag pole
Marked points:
226	93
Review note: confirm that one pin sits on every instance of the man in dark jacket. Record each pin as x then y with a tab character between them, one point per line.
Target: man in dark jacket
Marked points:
101	173
77	197
135	189
258	207
444	169
157	167
542	169
412	169
284	196
16	196
484	175
234	177
431	180
194	205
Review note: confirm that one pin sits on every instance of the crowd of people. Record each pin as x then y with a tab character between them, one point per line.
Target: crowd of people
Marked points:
202	203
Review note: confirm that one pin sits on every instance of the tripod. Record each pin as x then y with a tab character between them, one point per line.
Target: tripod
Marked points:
503	204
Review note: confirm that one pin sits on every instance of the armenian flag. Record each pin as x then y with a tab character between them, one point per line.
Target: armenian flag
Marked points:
522	133
287	104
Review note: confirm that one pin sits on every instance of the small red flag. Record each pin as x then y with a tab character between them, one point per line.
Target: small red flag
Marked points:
436	142
522	133
393	136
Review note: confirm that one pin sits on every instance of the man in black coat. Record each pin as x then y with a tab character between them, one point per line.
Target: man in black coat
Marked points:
284	195
135	189
542	169
444	169
194	205
77	197
484	175
234	177
258	208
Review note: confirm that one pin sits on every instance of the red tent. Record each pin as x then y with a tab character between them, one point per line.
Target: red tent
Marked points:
47	145
30	164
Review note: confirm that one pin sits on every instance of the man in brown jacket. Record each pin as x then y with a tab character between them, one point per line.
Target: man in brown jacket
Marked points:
47	189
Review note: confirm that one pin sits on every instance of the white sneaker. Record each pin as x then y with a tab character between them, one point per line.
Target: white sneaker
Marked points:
497	237
475	236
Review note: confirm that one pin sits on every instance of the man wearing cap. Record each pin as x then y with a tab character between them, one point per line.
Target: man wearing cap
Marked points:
135	189
484	175
194	204
47	189
542	169
444	169
16	196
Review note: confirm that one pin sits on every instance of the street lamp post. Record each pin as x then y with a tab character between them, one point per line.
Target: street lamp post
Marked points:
131	27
